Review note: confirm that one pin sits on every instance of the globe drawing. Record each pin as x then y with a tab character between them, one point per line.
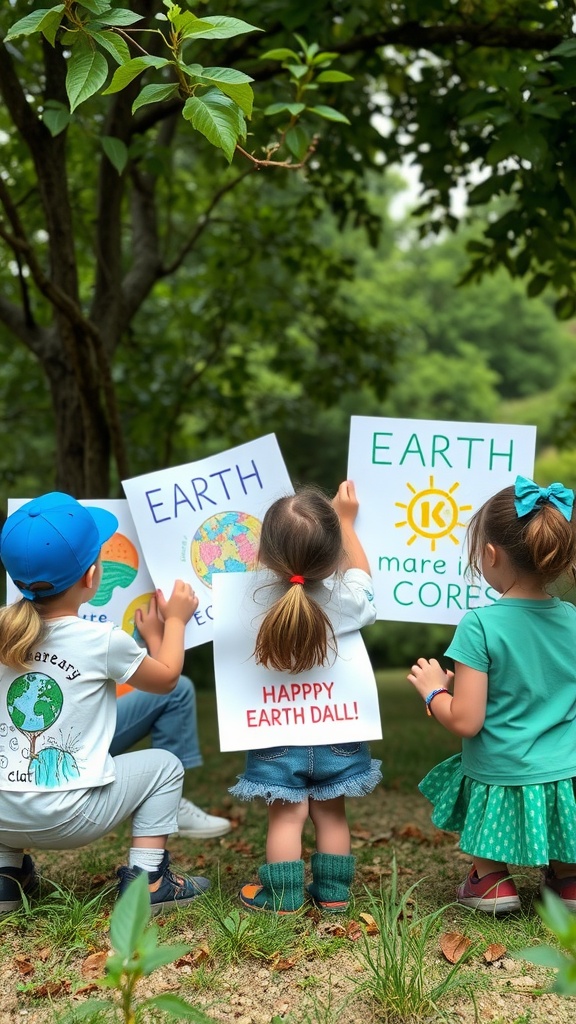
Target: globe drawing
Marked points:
34	702
227	542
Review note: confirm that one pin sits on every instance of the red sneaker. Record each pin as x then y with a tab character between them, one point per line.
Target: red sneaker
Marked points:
494	893
565	888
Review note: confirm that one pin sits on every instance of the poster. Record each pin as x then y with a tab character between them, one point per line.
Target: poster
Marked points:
418	483
126	583
203	518
257	707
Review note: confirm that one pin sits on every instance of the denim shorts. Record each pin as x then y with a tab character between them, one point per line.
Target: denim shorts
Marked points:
294	774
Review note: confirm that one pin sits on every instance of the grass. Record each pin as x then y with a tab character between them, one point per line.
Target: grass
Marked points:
306	969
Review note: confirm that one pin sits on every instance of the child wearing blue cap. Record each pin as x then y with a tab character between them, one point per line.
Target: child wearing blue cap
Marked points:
58	676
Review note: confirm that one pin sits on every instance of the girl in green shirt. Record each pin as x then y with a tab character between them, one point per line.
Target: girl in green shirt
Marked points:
512	698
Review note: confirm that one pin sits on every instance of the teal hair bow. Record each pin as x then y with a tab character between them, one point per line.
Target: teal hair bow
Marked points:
528	496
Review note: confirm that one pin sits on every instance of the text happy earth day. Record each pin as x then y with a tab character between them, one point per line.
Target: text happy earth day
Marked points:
286	694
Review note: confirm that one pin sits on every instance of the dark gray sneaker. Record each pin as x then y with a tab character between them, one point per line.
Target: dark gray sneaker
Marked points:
171	890
17	881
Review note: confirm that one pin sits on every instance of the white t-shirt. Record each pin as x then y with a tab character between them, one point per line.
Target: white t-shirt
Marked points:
57	719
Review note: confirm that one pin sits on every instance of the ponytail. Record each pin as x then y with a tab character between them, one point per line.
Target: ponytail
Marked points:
295	635
21	628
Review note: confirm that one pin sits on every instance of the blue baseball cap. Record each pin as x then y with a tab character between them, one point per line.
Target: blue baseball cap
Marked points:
50	542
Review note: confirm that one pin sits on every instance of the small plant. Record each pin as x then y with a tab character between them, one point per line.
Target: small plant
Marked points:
400	980
136	954
562	924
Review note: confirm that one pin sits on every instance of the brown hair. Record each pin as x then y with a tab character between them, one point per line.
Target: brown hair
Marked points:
542	543
21	628
301	536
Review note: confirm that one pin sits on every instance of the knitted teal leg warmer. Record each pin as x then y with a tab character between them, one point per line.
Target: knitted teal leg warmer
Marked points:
281	888
332	876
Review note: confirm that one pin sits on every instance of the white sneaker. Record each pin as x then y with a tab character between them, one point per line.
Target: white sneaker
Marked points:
196	824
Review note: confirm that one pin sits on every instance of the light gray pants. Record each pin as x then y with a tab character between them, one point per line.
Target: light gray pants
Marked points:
148	786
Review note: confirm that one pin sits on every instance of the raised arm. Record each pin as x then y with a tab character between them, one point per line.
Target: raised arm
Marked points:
346	505
162	626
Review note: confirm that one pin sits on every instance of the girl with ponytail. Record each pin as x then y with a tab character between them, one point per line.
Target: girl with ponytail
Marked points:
310	546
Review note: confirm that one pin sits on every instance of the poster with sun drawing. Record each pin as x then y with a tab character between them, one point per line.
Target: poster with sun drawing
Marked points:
126	583
204	518
418	483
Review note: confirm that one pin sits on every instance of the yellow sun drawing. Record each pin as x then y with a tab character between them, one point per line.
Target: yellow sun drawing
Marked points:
432	513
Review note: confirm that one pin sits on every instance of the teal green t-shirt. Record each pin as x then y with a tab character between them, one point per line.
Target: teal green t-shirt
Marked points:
528	650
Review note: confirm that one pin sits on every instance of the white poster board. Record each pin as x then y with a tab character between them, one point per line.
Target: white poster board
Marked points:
418	483
257	707
126	583
203	518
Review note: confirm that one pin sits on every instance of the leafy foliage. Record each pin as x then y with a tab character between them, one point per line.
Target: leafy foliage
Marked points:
562	924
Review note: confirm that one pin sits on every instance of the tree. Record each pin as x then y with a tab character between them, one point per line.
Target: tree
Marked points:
102	209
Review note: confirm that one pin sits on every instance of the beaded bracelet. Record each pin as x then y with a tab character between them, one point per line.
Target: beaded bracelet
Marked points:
428	700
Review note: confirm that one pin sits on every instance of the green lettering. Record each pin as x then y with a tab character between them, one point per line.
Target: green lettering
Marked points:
413	451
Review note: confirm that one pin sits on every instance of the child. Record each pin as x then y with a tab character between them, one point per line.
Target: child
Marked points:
305	539
510	794
59	787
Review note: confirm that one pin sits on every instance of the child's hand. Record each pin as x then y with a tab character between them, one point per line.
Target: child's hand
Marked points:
346	503
149	624
181	604
426	676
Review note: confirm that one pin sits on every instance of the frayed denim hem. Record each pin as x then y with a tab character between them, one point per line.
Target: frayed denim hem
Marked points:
357	785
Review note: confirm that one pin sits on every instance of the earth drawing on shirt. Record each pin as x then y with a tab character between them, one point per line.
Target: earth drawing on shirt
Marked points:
227	542
34	702
119	568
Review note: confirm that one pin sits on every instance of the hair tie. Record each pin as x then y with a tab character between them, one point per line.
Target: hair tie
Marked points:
298	579
529	496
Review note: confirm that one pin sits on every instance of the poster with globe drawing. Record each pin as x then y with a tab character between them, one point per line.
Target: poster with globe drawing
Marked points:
204	517
418	483
126	583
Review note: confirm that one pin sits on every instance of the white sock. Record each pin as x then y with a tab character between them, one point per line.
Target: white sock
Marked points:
12	860
145	858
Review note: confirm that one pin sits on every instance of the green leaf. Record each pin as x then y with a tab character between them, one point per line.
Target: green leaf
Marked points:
324	58
96	6
161	956
297	141
50	27
116	151
282	53
243	95
130	916
217	118
552	910
537	285
120	16
56	117
128	72
297	70
521	141
90	1008
334	76
169	1003
279	108
565	49
154	94
86	73
544	956
116	46
565	307
34	22
229	75
329	113
224	28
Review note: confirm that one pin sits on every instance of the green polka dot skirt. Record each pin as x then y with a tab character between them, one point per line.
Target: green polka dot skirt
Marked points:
524	825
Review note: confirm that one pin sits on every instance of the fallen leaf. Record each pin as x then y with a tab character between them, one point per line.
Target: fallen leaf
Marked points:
194	957
371	926
333	928
360	833
51	988
85	990
353	931
23	964
44	954
494	952
94	965
411	831
454	945
96	881
279	963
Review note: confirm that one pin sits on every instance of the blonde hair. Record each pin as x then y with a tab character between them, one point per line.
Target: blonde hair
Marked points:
21	629
542	543
301	536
